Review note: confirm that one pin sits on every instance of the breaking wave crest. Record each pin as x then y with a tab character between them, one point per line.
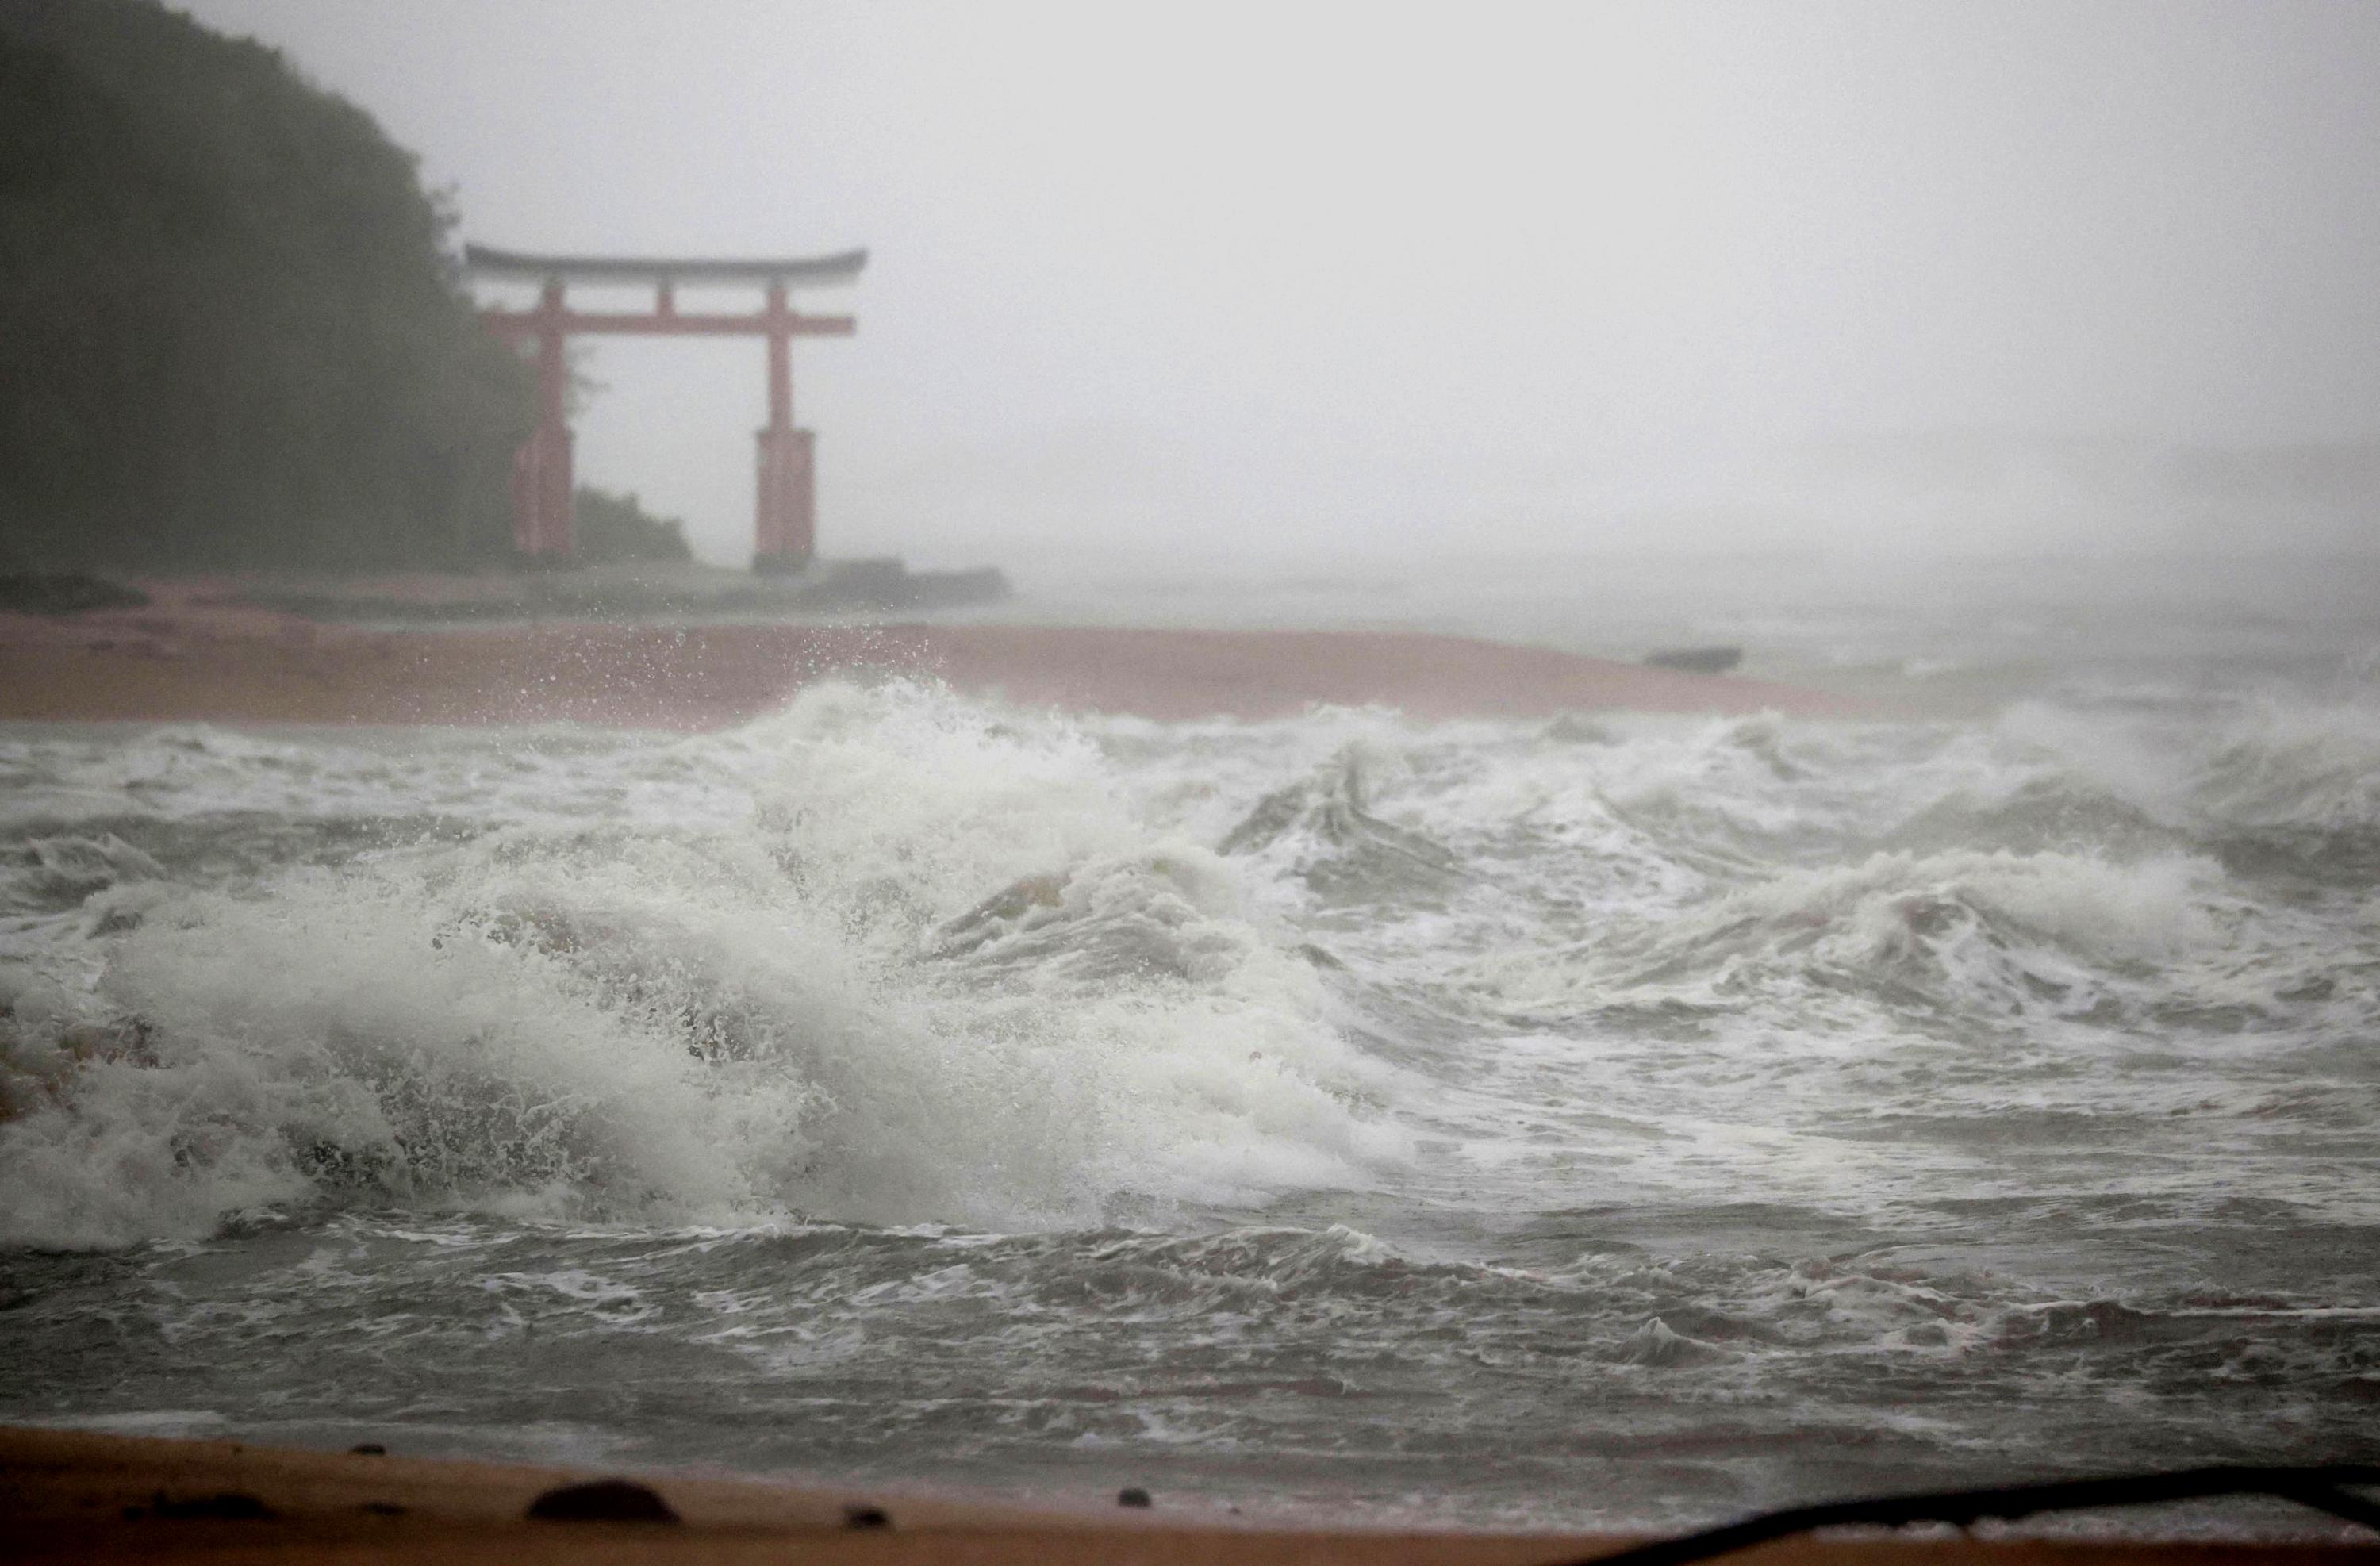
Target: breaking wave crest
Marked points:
891	956
937	972
1973	935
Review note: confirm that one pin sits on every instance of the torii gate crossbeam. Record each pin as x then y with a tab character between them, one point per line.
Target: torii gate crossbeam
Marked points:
784	509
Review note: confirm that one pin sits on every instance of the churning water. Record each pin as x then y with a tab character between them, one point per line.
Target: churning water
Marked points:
1600	1122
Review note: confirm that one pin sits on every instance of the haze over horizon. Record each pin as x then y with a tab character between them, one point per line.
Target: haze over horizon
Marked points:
1395	280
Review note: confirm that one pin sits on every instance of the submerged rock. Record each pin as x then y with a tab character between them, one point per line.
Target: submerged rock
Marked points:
1001	912
1654	1344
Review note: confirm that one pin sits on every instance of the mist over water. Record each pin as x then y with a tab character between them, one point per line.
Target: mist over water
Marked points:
2012	275
1644	1118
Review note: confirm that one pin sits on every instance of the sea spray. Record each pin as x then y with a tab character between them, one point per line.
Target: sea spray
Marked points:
636	1021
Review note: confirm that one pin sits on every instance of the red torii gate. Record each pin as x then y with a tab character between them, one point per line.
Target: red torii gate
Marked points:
784	511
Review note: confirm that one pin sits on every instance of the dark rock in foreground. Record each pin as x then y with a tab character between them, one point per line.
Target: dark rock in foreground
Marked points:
604	1500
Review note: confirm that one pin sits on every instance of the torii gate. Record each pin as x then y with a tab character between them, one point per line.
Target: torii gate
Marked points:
784	511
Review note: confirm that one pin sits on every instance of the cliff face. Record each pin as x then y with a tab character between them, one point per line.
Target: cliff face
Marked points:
229	330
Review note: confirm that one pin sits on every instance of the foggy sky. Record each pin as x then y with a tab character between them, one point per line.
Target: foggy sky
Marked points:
1379	278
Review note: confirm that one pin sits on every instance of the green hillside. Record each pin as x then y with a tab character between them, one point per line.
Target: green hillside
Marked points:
229	330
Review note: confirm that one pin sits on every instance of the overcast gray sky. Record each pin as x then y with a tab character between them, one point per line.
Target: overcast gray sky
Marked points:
1355	274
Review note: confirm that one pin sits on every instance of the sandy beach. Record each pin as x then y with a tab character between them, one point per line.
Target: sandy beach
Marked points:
76	1494
194	654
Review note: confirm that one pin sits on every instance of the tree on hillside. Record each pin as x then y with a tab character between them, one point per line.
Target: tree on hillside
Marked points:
230	330
617	526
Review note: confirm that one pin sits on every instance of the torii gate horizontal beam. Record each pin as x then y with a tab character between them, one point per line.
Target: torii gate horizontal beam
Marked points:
665	322
843	267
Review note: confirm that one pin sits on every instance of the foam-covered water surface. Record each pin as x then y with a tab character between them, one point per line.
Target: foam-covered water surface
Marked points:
1605	1122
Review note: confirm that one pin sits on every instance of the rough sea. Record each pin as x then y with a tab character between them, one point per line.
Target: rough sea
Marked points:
1600	1120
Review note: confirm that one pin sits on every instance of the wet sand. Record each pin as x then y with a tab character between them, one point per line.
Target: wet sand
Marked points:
190	656
75	1494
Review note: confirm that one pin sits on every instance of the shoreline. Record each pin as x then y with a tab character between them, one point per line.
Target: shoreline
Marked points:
191	657
69	1494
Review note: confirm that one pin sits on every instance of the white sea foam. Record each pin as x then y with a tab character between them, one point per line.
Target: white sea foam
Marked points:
633	1019
895	956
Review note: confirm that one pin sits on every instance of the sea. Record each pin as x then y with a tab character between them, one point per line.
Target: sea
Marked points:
1595	1121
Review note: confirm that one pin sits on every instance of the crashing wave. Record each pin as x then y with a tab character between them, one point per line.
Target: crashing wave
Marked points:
696	1026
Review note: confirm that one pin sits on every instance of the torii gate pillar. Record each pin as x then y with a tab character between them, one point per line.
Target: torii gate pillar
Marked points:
544	511
784	495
